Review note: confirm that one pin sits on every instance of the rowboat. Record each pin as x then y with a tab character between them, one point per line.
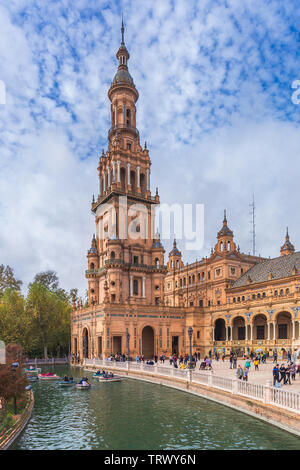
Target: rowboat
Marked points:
84	386
48	377
110	379
32	378
36	370
65	383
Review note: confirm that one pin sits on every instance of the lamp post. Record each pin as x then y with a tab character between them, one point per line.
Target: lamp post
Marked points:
111	346
190	333
128	338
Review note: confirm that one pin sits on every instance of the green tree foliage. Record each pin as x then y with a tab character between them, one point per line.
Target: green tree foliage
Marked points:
8	280
15	322
40	323
12	381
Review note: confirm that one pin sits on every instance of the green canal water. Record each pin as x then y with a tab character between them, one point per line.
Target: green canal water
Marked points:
137	415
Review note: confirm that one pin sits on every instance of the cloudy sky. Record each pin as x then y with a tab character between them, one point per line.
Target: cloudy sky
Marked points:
215	82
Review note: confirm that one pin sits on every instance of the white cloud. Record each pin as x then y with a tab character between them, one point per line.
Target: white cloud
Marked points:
215	108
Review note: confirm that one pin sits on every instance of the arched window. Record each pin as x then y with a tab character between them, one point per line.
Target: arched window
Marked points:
112	255
193	278
177	264
184	281
156	262
92	266
180	282
221	246
287	291
143	183
128	117
135	287
123	177
132	180
228	246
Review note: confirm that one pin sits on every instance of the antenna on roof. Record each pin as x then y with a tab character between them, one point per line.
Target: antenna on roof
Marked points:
252	213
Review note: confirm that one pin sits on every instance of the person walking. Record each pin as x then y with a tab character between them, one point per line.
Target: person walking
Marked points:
231	361
256	363
239	372
248	364
282	374
293	371
288	375
276	375
245	374
234	360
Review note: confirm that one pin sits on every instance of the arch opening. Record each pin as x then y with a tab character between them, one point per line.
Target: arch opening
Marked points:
85	343
220	330
148	342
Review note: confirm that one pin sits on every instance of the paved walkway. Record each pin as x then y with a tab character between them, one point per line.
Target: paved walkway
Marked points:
261	376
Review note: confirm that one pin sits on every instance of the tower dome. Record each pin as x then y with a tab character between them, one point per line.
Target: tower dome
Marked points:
287	248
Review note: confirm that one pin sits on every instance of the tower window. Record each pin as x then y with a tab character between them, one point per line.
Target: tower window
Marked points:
128	146
135	287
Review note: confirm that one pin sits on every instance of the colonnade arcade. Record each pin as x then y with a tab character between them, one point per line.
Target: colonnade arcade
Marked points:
145	339
256	327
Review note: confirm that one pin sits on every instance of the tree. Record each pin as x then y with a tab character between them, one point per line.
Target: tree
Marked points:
12	381
50	313
8	280
49	279
14	321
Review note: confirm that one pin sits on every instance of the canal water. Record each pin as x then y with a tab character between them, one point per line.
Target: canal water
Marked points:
134	415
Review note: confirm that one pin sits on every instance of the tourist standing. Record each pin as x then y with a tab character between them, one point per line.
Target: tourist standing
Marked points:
234	361
239	372
282	374
293	371
276	375
245	374
256	363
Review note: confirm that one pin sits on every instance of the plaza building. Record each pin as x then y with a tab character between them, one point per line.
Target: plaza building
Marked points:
232	300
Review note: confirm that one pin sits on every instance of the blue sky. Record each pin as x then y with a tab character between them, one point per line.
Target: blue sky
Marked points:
215	83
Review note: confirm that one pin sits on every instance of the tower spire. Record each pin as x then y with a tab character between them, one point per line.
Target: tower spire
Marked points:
122	32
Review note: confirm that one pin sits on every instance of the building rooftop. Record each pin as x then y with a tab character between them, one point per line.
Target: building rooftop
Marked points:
281	267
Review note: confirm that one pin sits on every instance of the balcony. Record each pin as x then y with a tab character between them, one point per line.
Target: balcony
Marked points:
128	127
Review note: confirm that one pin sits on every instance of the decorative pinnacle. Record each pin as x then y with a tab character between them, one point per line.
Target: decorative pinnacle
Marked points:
287	234
122	32
225	219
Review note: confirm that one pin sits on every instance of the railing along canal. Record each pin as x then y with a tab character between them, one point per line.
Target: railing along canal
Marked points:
264	393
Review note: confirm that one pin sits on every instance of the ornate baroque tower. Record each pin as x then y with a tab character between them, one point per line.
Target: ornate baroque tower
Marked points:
126	261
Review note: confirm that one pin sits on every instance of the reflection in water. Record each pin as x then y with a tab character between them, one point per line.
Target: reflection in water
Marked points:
138	415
